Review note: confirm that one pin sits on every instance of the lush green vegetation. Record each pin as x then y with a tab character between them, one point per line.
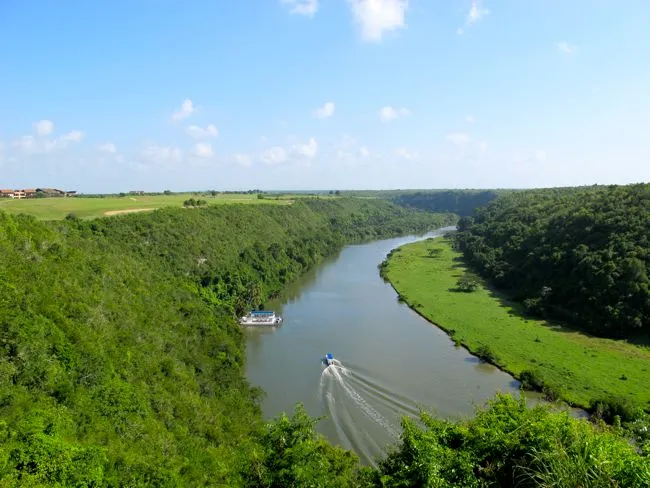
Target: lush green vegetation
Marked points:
121	363
507	444
460	202
580	255
98	206
581	369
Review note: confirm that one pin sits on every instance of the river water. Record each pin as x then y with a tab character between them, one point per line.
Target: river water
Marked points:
390	360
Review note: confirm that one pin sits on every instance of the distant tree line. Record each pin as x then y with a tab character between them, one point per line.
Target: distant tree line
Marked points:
581	255
460	202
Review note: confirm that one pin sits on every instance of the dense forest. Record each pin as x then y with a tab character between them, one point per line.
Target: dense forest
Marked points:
581	255
460	202
121	362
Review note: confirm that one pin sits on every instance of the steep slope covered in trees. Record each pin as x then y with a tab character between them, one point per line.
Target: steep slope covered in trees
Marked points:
581	254
120	361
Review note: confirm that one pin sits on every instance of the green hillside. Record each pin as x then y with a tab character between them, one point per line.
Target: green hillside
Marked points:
121	362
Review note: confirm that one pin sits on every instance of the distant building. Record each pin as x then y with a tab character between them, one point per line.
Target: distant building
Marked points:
50	192
29	192
18	194
136	192
6	193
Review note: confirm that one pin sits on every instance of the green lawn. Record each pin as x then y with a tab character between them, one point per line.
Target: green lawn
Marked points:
58	208
580	367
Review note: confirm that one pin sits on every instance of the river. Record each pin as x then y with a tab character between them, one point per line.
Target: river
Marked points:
392	361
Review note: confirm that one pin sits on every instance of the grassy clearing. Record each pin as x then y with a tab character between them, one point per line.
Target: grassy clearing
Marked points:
580	368
58	208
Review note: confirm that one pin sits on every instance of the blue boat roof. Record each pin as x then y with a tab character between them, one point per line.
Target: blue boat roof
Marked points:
261	312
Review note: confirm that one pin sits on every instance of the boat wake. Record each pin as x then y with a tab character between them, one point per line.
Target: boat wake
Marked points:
365	414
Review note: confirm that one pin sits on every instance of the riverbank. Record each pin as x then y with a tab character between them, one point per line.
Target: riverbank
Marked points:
568	365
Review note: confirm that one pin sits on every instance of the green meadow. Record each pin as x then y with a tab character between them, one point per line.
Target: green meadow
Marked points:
91	207
574	366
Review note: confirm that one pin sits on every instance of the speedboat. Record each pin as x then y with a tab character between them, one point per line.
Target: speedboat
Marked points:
328	360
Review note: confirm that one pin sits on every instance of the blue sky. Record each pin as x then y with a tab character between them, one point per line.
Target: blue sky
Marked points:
323	94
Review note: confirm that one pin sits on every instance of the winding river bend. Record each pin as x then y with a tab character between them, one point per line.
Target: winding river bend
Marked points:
390	360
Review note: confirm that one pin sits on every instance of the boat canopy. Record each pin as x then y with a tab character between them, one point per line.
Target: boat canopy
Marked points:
329	355
262	312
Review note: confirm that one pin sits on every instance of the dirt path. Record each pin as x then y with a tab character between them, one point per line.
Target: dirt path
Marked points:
128	210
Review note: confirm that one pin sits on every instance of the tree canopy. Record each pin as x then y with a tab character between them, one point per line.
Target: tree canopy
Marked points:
581	255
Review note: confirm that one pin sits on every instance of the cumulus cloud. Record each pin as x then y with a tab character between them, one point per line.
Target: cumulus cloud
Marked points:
30	145
566	48
185	111
377	17
161	154
325	111
200	133
274	155
203	150
107	147
476	13
242	159
349	150
302	7
386	114
458	138
73	136
405	153
307	150
43	127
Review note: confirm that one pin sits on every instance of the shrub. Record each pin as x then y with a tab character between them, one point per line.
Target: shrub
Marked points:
609	407
467	283
485	353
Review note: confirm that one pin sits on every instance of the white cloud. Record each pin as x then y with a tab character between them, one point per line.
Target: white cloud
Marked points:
540	155
161	154
376	17
274	155
325	111
43	127
405	153
199	133
349	150
566	48
73	136
302	7
386	114
458	138
470	118
203	150
29	144
25	143
476	13
242	159
308	150
185	111
108	147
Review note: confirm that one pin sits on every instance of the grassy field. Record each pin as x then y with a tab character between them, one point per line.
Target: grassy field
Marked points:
579	367
58	208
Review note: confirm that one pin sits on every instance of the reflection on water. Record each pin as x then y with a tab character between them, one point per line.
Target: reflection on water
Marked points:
392	361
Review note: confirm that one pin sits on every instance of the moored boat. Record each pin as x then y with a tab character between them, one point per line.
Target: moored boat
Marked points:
261	317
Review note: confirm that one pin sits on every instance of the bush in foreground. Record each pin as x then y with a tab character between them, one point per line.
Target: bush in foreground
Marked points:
509	444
